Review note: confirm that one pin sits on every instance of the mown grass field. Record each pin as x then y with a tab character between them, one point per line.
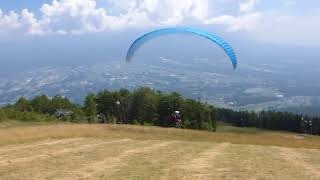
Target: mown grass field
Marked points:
80	151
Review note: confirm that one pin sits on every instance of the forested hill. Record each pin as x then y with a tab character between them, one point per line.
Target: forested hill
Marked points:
146	106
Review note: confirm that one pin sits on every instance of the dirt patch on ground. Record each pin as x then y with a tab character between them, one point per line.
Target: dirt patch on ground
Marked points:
301	160
89	158
108	166
201	166
41	143
50	154
130	152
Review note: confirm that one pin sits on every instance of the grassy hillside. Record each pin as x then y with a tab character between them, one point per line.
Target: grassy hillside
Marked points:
80	151
16	132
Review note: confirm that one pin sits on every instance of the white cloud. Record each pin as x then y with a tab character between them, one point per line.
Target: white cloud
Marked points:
86	16
82	16
73	16
30	22
247	22
247	5
23	22
9	21
163	12
290	3
285	29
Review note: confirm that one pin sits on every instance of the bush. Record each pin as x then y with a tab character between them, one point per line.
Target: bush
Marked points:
143	106
13	114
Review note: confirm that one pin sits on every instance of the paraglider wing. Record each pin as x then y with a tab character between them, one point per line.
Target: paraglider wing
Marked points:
160	32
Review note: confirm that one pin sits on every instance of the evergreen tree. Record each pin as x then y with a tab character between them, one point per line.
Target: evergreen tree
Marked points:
60	102
41	104
23	105
167	105
90	107
105	103
144	106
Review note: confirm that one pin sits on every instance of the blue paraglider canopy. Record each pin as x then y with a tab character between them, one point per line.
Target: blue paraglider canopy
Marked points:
161	32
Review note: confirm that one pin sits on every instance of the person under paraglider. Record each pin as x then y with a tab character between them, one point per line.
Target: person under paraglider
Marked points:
176	119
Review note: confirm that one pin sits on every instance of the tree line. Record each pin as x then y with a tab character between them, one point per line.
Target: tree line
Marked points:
146	106
272	120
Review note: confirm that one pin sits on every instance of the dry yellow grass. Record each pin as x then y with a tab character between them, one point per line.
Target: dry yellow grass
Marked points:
79	151
22	134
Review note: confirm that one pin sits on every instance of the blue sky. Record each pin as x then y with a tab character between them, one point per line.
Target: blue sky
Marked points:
43	31
272	21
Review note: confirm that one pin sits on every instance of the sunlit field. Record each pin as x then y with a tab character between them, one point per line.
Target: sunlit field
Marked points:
79	151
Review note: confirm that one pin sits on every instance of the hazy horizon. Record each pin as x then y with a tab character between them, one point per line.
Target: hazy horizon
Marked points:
276	43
